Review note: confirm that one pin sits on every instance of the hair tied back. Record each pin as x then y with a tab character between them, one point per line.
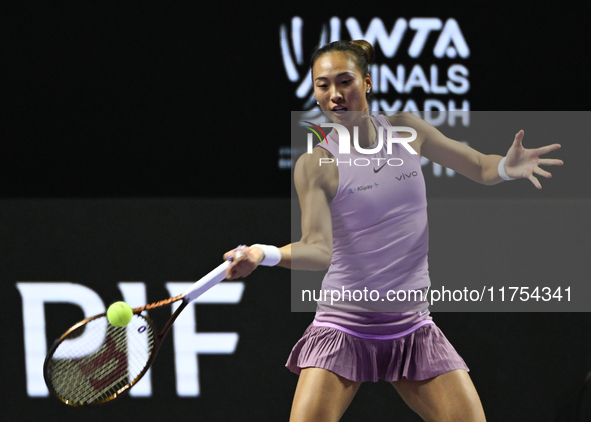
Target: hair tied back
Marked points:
366	47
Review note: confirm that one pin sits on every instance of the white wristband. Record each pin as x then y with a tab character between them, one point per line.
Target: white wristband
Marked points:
502	173
272	255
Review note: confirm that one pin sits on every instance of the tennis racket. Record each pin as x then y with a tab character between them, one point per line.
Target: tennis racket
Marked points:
95	362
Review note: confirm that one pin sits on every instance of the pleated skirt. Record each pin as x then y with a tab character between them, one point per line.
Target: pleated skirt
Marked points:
422	354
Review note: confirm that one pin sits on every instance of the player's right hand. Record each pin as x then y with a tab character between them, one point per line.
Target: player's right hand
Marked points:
243	260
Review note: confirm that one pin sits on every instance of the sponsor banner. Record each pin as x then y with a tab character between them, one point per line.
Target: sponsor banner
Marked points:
403	46
420	63
65	260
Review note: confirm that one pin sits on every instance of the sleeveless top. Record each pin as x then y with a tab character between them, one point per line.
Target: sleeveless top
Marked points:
380	241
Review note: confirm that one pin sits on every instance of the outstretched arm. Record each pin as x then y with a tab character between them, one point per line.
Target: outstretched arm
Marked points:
482	168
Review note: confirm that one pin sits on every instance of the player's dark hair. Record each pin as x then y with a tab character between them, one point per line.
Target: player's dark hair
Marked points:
360	51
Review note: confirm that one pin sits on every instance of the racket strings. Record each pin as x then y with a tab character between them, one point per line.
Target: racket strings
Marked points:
95	365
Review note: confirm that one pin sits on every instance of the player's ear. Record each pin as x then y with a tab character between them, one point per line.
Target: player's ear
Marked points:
368	83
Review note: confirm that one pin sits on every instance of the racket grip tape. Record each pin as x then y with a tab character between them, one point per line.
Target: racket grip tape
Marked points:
206	282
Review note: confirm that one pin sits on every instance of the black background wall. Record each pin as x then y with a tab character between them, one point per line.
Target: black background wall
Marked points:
140	141
154	99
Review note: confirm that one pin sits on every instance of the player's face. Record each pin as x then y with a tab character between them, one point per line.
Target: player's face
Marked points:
339	86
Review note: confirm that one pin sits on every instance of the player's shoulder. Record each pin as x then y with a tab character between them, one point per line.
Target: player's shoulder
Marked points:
310	161
315	166
423	129
405	119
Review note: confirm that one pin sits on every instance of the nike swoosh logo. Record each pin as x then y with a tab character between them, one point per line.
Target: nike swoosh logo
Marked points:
375	171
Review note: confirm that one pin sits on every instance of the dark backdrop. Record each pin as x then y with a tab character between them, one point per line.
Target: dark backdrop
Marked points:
159	99
172	104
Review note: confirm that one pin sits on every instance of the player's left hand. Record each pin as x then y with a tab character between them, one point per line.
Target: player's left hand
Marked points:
523	163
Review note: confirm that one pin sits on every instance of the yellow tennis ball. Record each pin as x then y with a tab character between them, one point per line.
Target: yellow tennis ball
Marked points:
119	314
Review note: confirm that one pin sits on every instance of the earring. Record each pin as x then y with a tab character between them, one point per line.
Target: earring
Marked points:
317	103
368	91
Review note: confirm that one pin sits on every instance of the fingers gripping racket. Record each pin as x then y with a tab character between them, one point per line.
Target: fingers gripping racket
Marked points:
94	361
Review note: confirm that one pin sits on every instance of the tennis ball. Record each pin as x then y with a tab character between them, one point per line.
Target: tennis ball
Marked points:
119	314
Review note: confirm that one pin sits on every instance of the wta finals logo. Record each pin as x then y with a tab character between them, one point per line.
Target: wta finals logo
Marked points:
401	80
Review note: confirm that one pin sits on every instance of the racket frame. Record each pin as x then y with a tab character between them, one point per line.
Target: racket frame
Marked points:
194	291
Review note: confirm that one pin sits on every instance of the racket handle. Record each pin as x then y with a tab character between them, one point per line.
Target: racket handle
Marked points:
206	282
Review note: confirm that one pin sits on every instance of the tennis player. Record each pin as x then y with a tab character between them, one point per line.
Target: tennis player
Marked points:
377	238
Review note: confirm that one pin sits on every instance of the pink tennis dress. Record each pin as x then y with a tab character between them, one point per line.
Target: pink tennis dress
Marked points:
380	245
